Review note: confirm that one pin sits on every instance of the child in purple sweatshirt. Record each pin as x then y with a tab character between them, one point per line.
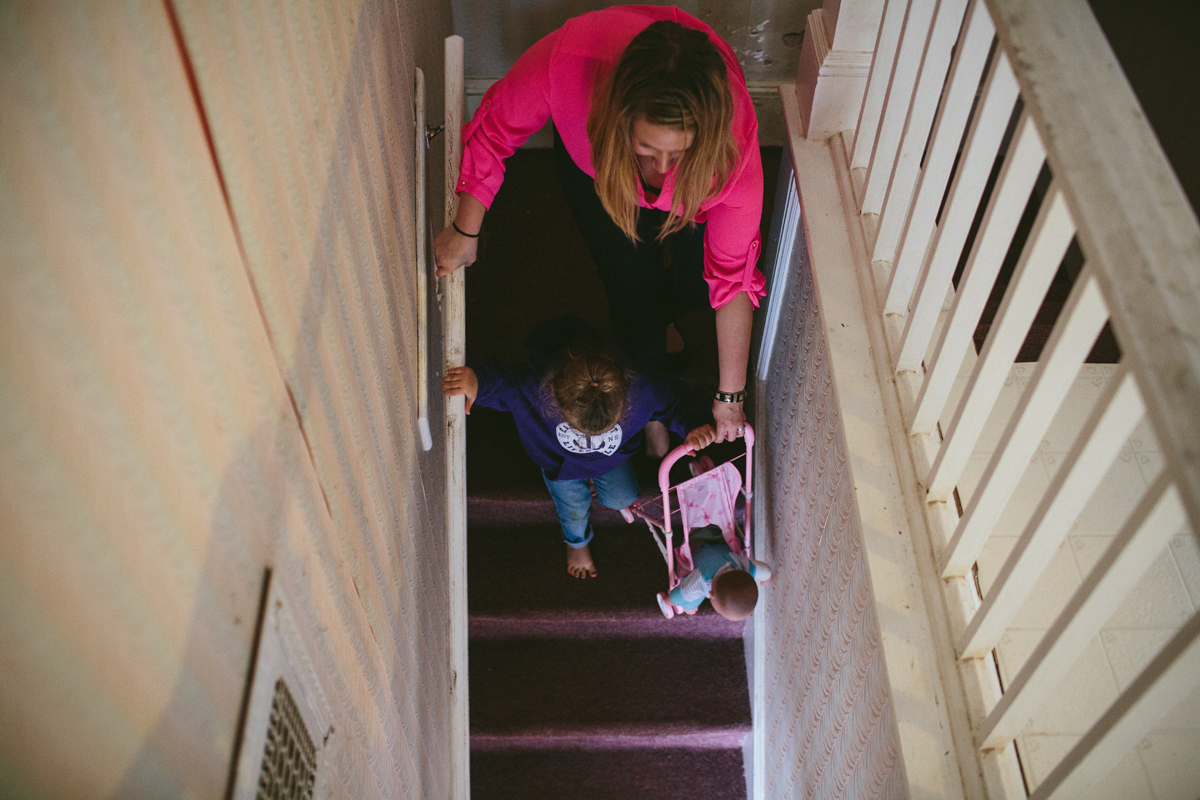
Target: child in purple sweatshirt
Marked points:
580	414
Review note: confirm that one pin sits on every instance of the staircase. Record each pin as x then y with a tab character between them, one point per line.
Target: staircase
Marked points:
580	688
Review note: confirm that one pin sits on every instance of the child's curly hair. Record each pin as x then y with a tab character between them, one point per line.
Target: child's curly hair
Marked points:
590	389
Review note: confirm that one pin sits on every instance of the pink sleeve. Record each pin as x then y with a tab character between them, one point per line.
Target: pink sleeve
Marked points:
732	240
512	110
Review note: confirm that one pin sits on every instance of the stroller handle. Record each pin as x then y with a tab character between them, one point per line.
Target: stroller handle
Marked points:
664	469
664	483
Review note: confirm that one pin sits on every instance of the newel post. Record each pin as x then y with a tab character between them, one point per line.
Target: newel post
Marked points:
835	61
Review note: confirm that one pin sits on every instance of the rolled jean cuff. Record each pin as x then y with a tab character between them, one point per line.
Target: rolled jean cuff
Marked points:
577	545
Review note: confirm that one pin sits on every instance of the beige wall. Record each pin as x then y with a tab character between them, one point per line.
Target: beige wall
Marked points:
207	370
830	728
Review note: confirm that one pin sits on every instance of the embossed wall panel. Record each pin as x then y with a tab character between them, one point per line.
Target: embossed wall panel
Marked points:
311	112
830	728
206	371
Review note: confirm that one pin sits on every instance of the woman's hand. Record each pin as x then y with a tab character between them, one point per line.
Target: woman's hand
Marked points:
451	249
702	437
461	380
730	419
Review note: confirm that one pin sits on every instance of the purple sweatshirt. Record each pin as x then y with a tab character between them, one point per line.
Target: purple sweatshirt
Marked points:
564	453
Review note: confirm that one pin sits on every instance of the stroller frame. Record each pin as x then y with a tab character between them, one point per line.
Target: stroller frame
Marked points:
661	526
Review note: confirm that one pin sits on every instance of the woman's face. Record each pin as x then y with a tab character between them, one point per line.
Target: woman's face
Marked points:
658	146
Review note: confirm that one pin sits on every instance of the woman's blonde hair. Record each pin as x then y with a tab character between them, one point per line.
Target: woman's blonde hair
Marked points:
673	76
590	390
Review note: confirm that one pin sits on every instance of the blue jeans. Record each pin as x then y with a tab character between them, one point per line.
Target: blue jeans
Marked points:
573	500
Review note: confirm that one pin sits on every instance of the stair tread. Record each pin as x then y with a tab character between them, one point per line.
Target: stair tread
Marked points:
617	623
523	570
615	736
523	684
661	773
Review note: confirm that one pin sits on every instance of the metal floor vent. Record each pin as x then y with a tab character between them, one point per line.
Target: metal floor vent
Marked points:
289	765
288	725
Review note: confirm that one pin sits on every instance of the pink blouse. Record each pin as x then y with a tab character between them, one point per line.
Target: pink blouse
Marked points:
554	79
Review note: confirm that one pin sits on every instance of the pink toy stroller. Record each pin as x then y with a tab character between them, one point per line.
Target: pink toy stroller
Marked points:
708	498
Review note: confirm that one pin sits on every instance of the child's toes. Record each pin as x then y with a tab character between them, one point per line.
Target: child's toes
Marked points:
579	562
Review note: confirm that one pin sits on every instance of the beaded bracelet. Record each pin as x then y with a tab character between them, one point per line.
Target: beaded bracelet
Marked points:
729	397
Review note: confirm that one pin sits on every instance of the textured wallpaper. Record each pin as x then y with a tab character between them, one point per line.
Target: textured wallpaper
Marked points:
207	370
830	728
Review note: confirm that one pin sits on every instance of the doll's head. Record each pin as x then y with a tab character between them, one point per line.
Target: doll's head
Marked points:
734	594
590	389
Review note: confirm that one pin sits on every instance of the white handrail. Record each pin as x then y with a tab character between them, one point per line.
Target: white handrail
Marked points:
894	214
423	244
918	227
1077	329
1135	224
1126	559
901	87
1043	252
1021	166
456	441
913	187
1116	414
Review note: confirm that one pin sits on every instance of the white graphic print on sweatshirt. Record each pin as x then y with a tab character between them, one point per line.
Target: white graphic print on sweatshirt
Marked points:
575	442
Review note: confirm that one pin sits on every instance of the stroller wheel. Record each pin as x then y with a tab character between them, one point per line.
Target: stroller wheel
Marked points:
668	610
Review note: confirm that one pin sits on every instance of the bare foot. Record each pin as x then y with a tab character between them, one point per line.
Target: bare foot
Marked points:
579	562
657	441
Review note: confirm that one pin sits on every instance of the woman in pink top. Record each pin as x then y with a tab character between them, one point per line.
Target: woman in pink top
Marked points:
657	149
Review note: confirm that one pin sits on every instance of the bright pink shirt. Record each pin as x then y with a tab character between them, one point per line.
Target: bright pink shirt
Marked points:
554	79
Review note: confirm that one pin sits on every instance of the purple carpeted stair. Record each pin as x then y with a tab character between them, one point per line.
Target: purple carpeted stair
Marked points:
580	688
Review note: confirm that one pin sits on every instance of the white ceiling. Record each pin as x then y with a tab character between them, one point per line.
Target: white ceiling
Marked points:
496	32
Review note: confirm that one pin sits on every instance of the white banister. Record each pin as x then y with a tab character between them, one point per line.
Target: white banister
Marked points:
1117	412
1072	338
1135	222
914	239
1141	539
1039	261
877	86
979	153
921	200
1017	177
456	440
999	96
1172	674
926	97
896	103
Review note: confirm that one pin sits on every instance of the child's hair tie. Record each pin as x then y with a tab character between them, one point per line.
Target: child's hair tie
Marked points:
595	384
